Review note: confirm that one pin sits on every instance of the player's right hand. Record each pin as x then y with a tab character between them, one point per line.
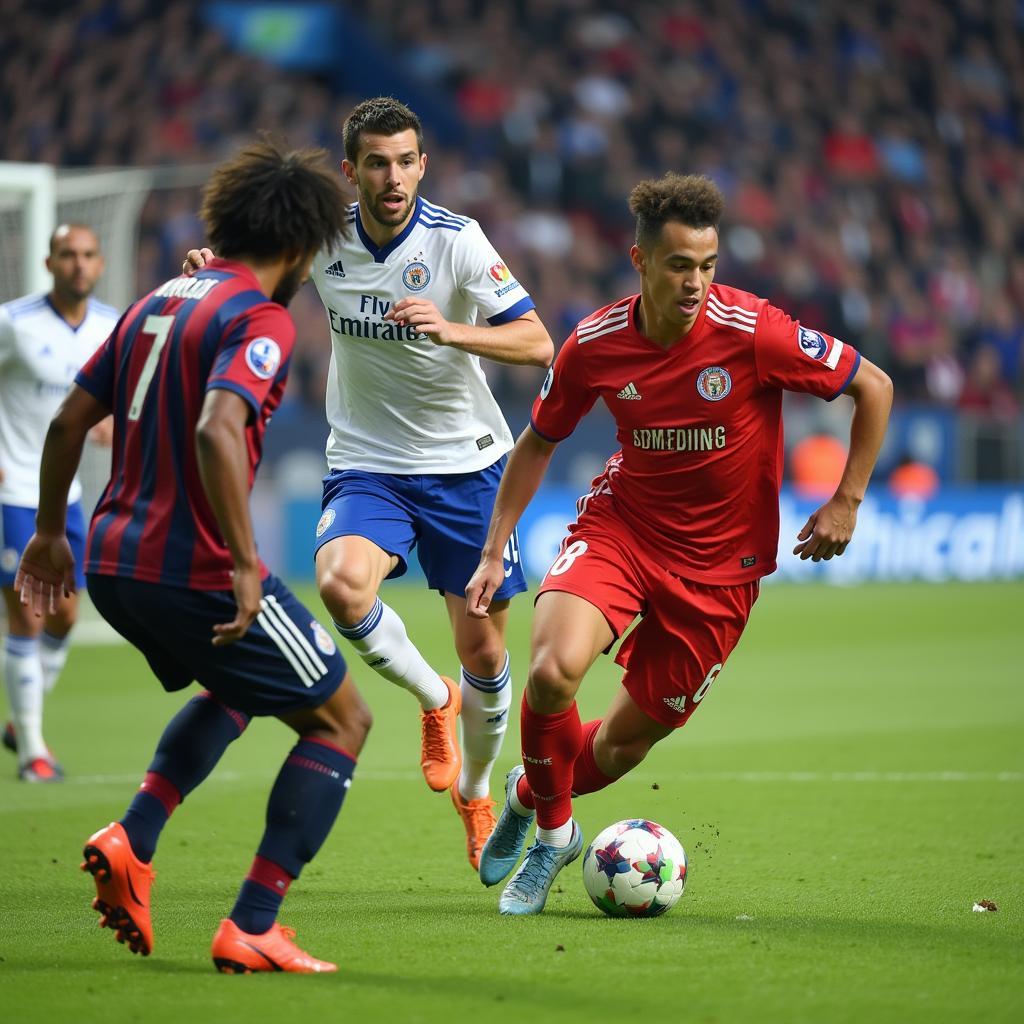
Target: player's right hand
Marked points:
196	259
46	570
248	591
480	590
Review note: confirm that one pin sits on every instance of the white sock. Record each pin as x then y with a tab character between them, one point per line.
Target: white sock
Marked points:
53	652
557	837
381	641
485	704
23	676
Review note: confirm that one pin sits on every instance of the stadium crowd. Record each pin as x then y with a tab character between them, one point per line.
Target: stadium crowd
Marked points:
871	154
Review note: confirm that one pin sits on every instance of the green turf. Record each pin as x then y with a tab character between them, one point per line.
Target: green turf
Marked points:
852	785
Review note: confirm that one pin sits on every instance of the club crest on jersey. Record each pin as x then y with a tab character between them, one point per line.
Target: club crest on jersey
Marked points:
325	522
322	639
812	343
263	357
416	276
714	383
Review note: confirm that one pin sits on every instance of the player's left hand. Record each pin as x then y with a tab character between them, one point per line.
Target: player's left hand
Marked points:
46	571
248	591
828	530
422	315
480	590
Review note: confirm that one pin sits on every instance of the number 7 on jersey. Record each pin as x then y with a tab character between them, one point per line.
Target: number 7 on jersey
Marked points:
160	328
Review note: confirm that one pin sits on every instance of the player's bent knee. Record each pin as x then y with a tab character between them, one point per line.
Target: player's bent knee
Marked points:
552	684
347	593
484	656
343	720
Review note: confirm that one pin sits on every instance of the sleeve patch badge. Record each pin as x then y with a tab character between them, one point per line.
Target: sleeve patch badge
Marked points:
263	357
545	388
811	343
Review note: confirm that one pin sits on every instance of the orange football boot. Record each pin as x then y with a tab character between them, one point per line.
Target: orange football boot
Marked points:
122	887
479	821
441	759
238	952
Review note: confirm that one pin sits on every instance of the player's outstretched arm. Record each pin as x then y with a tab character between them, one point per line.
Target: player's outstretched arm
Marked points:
521	342
828	530
47	565
196	259
523	474
224	469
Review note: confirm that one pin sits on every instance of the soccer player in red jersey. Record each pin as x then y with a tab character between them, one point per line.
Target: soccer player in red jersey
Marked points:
679	528
192	374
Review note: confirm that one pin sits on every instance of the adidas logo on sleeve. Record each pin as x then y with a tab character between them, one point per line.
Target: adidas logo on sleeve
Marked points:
630	392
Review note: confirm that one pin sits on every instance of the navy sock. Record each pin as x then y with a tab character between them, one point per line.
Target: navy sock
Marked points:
303	804
192	744
260	898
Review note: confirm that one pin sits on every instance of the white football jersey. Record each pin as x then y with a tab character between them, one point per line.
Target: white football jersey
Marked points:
40	353
396	402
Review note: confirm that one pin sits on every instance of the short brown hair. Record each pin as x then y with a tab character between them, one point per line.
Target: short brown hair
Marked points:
383	115
690	199
267	202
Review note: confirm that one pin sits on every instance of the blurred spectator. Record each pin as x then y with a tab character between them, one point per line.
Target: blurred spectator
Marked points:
913	479
872	154
986	392
816	465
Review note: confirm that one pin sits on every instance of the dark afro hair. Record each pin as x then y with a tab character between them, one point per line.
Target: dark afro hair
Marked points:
268	202
690	199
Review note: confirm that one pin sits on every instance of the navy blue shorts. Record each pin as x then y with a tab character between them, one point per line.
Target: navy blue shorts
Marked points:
17	524
444	516
285	662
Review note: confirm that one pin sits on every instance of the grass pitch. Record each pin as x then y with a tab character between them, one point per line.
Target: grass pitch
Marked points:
851	786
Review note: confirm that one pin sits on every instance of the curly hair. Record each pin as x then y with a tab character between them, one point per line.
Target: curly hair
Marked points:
690	199
267	202
382	115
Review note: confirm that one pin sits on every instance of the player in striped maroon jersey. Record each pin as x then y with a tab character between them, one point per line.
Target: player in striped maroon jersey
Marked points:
679	528
192	373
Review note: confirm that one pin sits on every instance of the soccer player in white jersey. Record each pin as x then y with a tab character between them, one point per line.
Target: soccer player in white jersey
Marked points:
44	341
417	442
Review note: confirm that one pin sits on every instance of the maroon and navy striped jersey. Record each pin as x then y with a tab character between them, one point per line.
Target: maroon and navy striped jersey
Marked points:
190	335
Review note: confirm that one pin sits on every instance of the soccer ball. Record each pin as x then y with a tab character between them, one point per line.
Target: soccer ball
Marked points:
635	868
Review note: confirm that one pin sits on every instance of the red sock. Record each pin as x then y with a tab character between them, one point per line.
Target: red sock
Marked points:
551	743
586	776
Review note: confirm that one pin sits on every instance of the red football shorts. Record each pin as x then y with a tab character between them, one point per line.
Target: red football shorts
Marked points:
686	630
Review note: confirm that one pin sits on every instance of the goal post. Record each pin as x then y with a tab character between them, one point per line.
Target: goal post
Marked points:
28	212
35	198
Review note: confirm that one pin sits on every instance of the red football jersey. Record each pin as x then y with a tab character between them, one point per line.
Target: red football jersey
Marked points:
699	423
